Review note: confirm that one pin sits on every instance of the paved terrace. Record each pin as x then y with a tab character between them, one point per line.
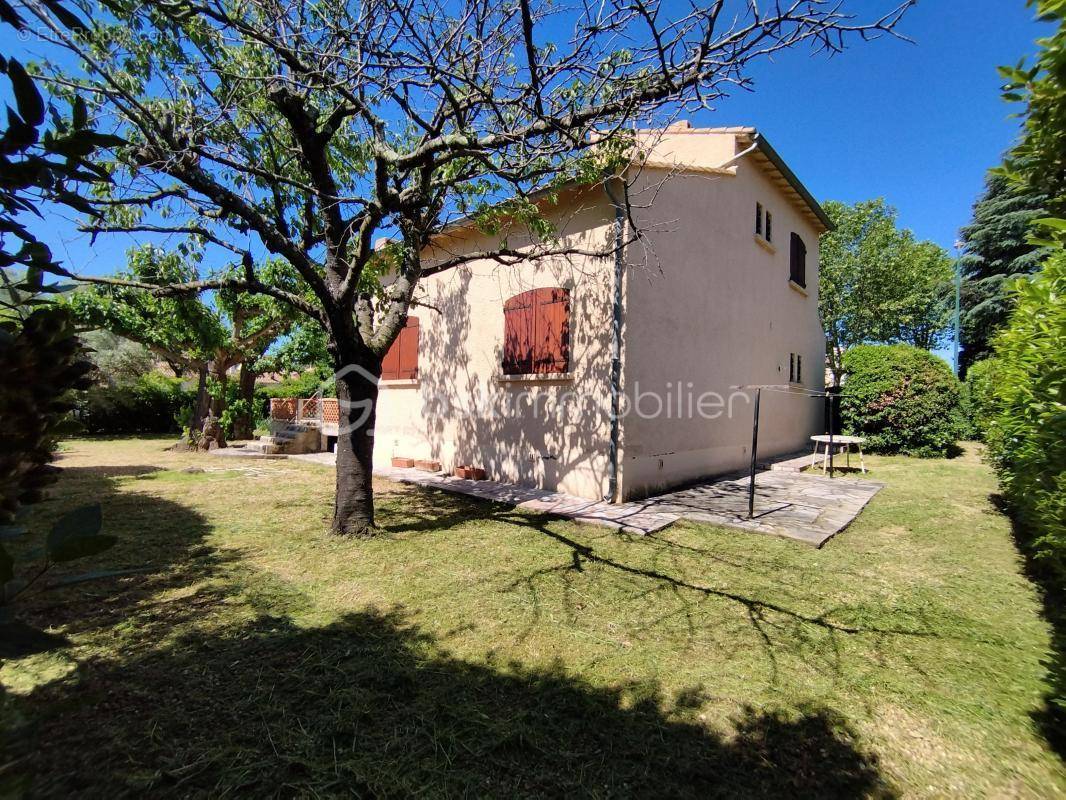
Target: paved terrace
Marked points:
804	507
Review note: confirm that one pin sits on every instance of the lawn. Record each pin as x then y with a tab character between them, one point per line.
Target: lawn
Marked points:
476	650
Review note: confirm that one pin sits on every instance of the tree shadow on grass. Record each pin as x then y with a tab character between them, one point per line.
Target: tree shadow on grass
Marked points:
371	706
161	539
1051	717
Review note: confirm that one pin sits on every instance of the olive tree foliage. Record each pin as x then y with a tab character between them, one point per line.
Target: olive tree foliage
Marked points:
206	339
878	284
314	128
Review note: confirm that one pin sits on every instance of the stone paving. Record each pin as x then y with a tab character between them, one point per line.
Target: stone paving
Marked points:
800	506
794	505
243	451
626	517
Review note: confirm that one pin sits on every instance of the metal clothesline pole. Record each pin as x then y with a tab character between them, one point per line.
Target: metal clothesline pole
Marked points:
755	430
754	455
832	419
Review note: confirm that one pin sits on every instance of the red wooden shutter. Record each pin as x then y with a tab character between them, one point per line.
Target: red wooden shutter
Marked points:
390	364
401	361
551	353
408	346
536	332
518	334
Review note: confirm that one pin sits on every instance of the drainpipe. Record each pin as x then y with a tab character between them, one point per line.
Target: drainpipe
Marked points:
752	147
616	343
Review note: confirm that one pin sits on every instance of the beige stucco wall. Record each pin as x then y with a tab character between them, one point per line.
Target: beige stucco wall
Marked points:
550	434
710	308
706	308
681	146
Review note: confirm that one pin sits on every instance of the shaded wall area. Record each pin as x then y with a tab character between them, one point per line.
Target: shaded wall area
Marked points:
716	312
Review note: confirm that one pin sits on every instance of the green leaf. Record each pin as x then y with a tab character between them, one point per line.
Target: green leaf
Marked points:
64	16
74	145
106	139
80	113
81	547
31	106
58	288
9	15
1051	222
82	522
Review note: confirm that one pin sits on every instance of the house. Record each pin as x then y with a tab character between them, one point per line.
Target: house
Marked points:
512	368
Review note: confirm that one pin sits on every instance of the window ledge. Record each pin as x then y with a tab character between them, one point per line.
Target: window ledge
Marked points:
542	377
398	383
796	287
765	245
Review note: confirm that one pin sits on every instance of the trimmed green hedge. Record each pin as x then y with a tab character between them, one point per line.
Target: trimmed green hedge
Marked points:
1027	436
153	403
979	403
902	399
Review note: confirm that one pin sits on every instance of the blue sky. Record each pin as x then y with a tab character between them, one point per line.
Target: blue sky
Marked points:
918	124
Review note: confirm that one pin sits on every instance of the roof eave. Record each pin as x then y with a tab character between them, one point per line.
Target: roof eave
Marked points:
774	158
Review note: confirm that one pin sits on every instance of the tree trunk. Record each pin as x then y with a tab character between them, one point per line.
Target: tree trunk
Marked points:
357	395
835	356
218	400
199	409
244	423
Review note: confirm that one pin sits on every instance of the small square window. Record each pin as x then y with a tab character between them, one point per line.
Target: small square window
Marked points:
758	219
769	227
799	368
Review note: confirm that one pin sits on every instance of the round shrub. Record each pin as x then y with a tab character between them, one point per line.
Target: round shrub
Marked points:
902	399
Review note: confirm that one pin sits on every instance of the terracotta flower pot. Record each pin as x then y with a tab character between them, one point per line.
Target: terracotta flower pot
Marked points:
469	473
429	466
402	462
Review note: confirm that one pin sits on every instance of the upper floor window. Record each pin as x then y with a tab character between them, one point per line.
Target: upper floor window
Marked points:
536	332
769	227
797	261
758	219
795	368
401	362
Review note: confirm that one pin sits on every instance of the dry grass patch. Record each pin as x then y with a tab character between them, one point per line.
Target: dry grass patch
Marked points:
472	649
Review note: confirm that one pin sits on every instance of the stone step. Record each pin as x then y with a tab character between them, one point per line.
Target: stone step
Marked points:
266	448
280	437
